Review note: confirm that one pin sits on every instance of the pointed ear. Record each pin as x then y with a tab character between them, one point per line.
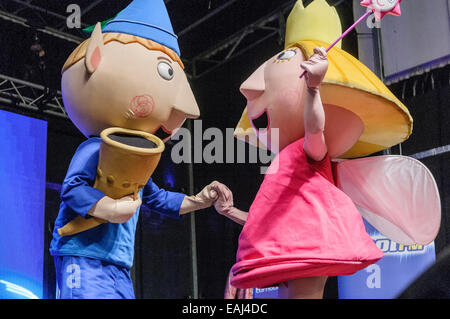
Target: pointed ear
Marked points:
94	52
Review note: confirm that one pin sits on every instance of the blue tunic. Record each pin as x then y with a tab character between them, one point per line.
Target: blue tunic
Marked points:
110	242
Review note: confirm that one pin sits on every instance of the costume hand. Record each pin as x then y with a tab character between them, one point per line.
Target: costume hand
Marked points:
316	67
225	205
209	193
115	211
225	198
204	199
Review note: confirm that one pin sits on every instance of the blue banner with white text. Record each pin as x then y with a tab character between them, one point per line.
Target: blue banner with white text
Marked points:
391	275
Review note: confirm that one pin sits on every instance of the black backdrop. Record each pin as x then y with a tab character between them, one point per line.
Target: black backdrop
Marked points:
163	260
427	97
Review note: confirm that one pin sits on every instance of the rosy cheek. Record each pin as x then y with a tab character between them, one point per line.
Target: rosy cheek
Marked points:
142	105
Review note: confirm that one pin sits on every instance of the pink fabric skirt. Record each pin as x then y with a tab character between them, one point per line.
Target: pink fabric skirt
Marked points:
301	225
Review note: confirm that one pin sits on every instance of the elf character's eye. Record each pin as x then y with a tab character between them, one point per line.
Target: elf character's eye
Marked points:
165	71
286	55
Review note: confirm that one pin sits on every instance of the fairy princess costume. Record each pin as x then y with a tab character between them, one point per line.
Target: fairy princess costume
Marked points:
300	224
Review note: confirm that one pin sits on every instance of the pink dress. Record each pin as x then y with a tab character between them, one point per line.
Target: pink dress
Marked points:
301	225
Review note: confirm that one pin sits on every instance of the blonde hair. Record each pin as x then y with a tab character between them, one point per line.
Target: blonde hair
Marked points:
80	52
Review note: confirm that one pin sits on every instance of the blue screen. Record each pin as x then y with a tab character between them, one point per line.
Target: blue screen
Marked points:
23	148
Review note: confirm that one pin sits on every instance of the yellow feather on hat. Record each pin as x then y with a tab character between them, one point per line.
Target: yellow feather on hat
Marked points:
348	83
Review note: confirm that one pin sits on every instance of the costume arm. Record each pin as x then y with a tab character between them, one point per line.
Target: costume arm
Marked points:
77	192
236	215
314	115
162	201
204	199
176	204
224	204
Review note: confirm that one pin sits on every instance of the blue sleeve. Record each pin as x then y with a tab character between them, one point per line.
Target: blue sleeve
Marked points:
77	191
162	201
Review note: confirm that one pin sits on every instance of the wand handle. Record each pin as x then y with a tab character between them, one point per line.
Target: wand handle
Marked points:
344	34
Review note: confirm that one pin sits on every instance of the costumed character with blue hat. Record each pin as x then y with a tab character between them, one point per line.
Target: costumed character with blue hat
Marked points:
124	89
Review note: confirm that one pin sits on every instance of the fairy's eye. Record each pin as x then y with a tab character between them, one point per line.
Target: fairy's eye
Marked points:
286	55
165	71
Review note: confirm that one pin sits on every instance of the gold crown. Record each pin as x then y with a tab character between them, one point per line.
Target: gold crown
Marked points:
318	21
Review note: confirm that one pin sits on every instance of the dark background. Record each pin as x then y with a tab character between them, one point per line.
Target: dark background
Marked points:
163	259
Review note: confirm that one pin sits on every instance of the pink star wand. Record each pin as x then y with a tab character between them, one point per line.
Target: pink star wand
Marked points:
379	7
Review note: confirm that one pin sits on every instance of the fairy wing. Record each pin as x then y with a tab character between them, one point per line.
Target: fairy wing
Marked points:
396	194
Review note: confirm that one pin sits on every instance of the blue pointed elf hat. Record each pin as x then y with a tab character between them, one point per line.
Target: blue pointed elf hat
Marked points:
147	19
